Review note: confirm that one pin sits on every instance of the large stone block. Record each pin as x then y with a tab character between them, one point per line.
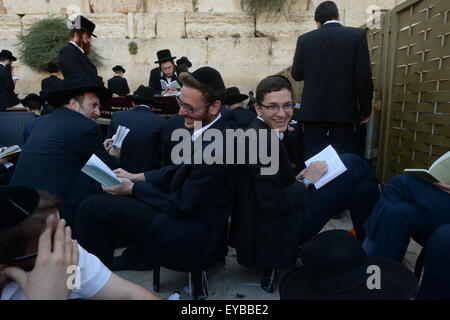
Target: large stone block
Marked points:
109	25
10	26
136	75
145	25
170	25
283	51
284	26
29	80
219	25
101	6
155	6
29	19
2	8
218	6
128	6
69	6
298	6
244	51
362	11
195	49
26	7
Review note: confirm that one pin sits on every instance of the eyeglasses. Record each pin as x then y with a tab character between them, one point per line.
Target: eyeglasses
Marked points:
288	107
188	107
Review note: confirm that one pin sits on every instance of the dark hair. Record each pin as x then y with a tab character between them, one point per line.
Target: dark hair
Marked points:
15	240
326	11
78	32
34	104
271	84
210	94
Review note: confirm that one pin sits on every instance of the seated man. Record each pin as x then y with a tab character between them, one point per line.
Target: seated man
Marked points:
61	144
234	101
278	211
408	208
177	214
166	71
25	214
33	103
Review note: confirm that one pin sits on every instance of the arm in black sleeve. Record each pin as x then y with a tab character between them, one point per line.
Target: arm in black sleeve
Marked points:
69	64
297	64
8	82
363	76
155	81
93	144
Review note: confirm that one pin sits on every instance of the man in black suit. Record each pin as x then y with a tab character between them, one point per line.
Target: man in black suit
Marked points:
141	149
166	71
234	102
73	59
334	62
118	85
7	96
52	82
177	214
62	143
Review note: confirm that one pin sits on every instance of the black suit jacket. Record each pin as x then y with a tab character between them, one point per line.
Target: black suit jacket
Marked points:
267	218
195	202
155	78
243	117
73	62
334	63
7	96
141	149
118	85
59	146
51	83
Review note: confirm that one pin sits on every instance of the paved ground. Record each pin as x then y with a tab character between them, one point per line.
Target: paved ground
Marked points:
232	281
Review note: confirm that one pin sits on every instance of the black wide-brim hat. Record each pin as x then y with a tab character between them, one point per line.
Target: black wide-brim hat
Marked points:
144	95
184	60
397	283
233	96
32	96
118	68
164	55
84	24
74	86
7	54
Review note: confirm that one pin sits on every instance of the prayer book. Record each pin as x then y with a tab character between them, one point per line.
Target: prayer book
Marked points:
172	85
439	171
120	136
9	151
100	172
335	165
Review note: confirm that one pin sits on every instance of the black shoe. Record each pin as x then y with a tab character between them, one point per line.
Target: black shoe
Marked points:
123	263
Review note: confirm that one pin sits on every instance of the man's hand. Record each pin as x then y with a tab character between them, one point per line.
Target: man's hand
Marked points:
444	187
48	279
364	120
122	174
301	175
315	170
123	189
169	90
108	144
115	95
115	152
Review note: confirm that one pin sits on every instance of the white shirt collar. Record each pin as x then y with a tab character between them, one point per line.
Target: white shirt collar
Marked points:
332	21
143	105
3	64
197	133
279	133
81	49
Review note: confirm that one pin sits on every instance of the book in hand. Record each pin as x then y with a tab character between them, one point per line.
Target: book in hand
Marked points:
335	165
439	171
120	136
172	85
100	172
7	152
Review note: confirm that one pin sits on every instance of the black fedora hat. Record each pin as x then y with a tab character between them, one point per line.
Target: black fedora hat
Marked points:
184	61
7	54
118	68
17	203
84	24
336	267
144	95
164	55
30	97
233	96
52	67
73	86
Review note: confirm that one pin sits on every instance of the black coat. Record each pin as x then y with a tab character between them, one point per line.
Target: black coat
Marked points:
195	202
334	63
175	122
52	83
73	62
7	96
141	149
59	146
266	222
118	85
243	117
155	78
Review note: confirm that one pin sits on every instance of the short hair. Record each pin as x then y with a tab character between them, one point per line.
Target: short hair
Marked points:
34	104
14	240
271	84
78	32
210	94
326	11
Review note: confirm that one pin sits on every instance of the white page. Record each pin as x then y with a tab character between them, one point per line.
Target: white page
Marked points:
335	165
174	85
99	171
445	156
120	136
164	85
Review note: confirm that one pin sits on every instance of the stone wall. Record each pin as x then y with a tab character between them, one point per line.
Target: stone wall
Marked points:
244	48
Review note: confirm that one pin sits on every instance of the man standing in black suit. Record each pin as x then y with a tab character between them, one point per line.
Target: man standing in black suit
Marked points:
61	144
142	146
52	82
7	96
118	85
73	59
334	63
166	71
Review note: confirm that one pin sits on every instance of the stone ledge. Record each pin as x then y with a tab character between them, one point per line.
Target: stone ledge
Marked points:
219	25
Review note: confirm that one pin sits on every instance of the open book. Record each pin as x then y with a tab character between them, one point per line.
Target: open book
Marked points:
9	151
172	85
335	165
439	171
120	136
100	172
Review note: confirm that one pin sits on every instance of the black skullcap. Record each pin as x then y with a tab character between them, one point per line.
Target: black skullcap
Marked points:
209	77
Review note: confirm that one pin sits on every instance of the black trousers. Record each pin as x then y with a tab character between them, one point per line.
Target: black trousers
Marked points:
103	219
318	135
